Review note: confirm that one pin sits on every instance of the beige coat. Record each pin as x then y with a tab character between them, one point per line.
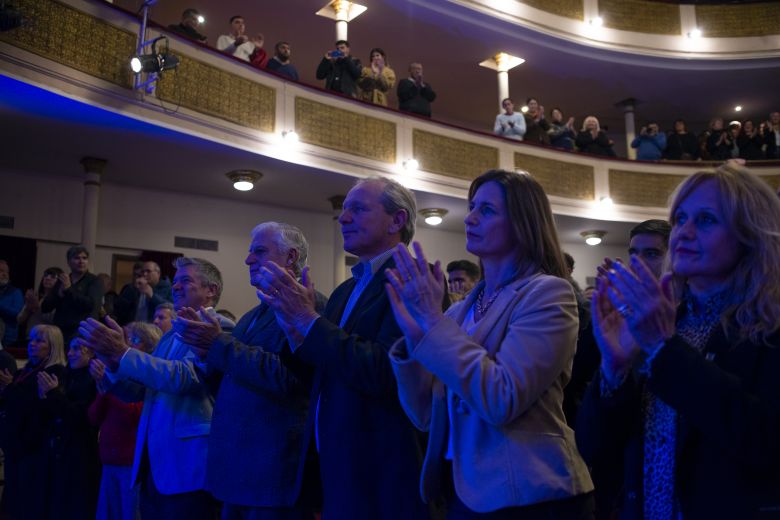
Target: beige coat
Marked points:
511	444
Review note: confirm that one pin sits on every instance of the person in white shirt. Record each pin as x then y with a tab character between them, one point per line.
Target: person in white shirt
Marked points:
510	124
237	42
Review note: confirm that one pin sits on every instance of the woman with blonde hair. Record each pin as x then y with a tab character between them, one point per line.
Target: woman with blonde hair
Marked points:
486	379
592	139
688	394
25	425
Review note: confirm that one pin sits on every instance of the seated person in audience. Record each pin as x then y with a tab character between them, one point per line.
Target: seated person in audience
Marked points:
681	145
650	143
31	314
188	26
137	301
281	62
561	133
536	126
24	428
772	136
164	315
686	397
11	303
462	276
118	424
79	295
718	141
340	70
170	455
414	94
377	79
592	139
486	378
237	42
750	142
510	124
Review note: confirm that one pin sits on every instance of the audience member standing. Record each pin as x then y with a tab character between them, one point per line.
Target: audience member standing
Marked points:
750	142
170	455
687	392
369	451
510	124
164	315
257	466
414	94
79	295
536	126
188	27
11	303
237	42
560	133
592	139
718	143
486	378
377	79
25	428
772	136
681	145
650	143
281	62
137	301
462	276
340	70
31	314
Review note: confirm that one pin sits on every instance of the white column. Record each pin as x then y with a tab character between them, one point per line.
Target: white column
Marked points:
339	256
342	27
93	169
502	63
503	87
343	12
628	114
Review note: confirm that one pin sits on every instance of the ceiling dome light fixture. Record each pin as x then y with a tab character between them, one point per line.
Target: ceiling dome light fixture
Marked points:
738	108
411	165
694	33
244	180
593	238
433	216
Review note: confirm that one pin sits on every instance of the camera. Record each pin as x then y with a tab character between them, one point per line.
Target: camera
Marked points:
336	54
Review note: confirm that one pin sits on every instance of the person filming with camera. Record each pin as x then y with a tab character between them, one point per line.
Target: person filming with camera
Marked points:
340	70
650	143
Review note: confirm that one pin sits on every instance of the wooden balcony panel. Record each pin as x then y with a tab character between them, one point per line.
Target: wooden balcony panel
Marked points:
735	21
641	16
559	178
452	157
641	188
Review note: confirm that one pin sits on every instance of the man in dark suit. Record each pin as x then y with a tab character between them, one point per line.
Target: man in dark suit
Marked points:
258	443
414	94
370	455
340	70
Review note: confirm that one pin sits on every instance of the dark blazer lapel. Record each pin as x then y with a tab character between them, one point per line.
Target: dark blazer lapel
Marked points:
338	300
372	292
263	316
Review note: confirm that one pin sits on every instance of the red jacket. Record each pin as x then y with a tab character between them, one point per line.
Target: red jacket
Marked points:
118	422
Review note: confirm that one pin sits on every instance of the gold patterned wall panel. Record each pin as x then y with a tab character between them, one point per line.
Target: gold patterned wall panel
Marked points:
772	180
733	21
568	8
344	130
641	188
452	157
73	38
209	90
559	178
641	16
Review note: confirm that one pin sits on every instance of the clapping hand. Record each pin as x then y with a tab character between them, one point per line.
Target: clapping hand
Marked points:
415	292
5	378
46	383
106	341
292	302
197	329
97	369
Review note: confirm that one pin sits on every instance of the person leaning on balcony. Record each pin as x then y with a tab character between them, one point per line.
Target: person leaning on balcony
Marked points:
510	124
536	126
681	145
592	139
188	26
237	42
650	143
377	79
414	95
281	63
340	70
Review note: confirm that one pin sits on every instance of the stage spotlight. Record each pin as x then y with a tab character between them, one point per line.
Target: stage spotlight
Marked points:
155	62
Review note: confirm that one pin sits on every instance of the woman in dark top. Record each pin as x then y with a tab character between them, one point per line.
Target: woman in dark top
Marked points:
718	141
79	296
25	427
536	126
750	142
561	133
687	399
591	139
681	145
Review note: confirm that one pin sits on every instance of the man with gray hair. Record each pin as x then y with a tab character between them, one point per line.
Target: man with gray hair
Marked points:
258	443
370	454
172	441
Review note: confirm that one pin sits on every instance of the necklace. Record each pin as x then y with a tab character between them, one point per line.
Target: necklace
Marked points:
482	308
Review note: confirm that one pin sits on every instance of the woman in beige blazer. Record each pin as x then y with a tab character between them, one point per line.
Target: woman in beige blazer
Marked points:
486	379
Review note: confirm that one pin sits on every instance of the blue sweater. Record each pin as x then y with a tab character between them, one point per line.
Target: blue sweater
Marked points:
650	147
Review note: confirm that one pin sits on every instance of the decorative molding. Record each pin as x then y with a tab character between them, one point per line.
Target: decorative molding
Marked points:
735	21
641	16
452	157
642	188
344	130
568	8
79	40
559	178
215	92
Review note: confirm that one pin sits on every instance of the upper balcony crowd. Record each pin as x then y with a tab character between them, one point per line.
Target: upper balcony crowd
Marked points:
344	74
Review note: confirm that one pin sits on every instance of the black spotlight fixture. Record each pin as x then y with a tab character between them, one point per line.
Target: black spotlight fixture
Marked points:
159	60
